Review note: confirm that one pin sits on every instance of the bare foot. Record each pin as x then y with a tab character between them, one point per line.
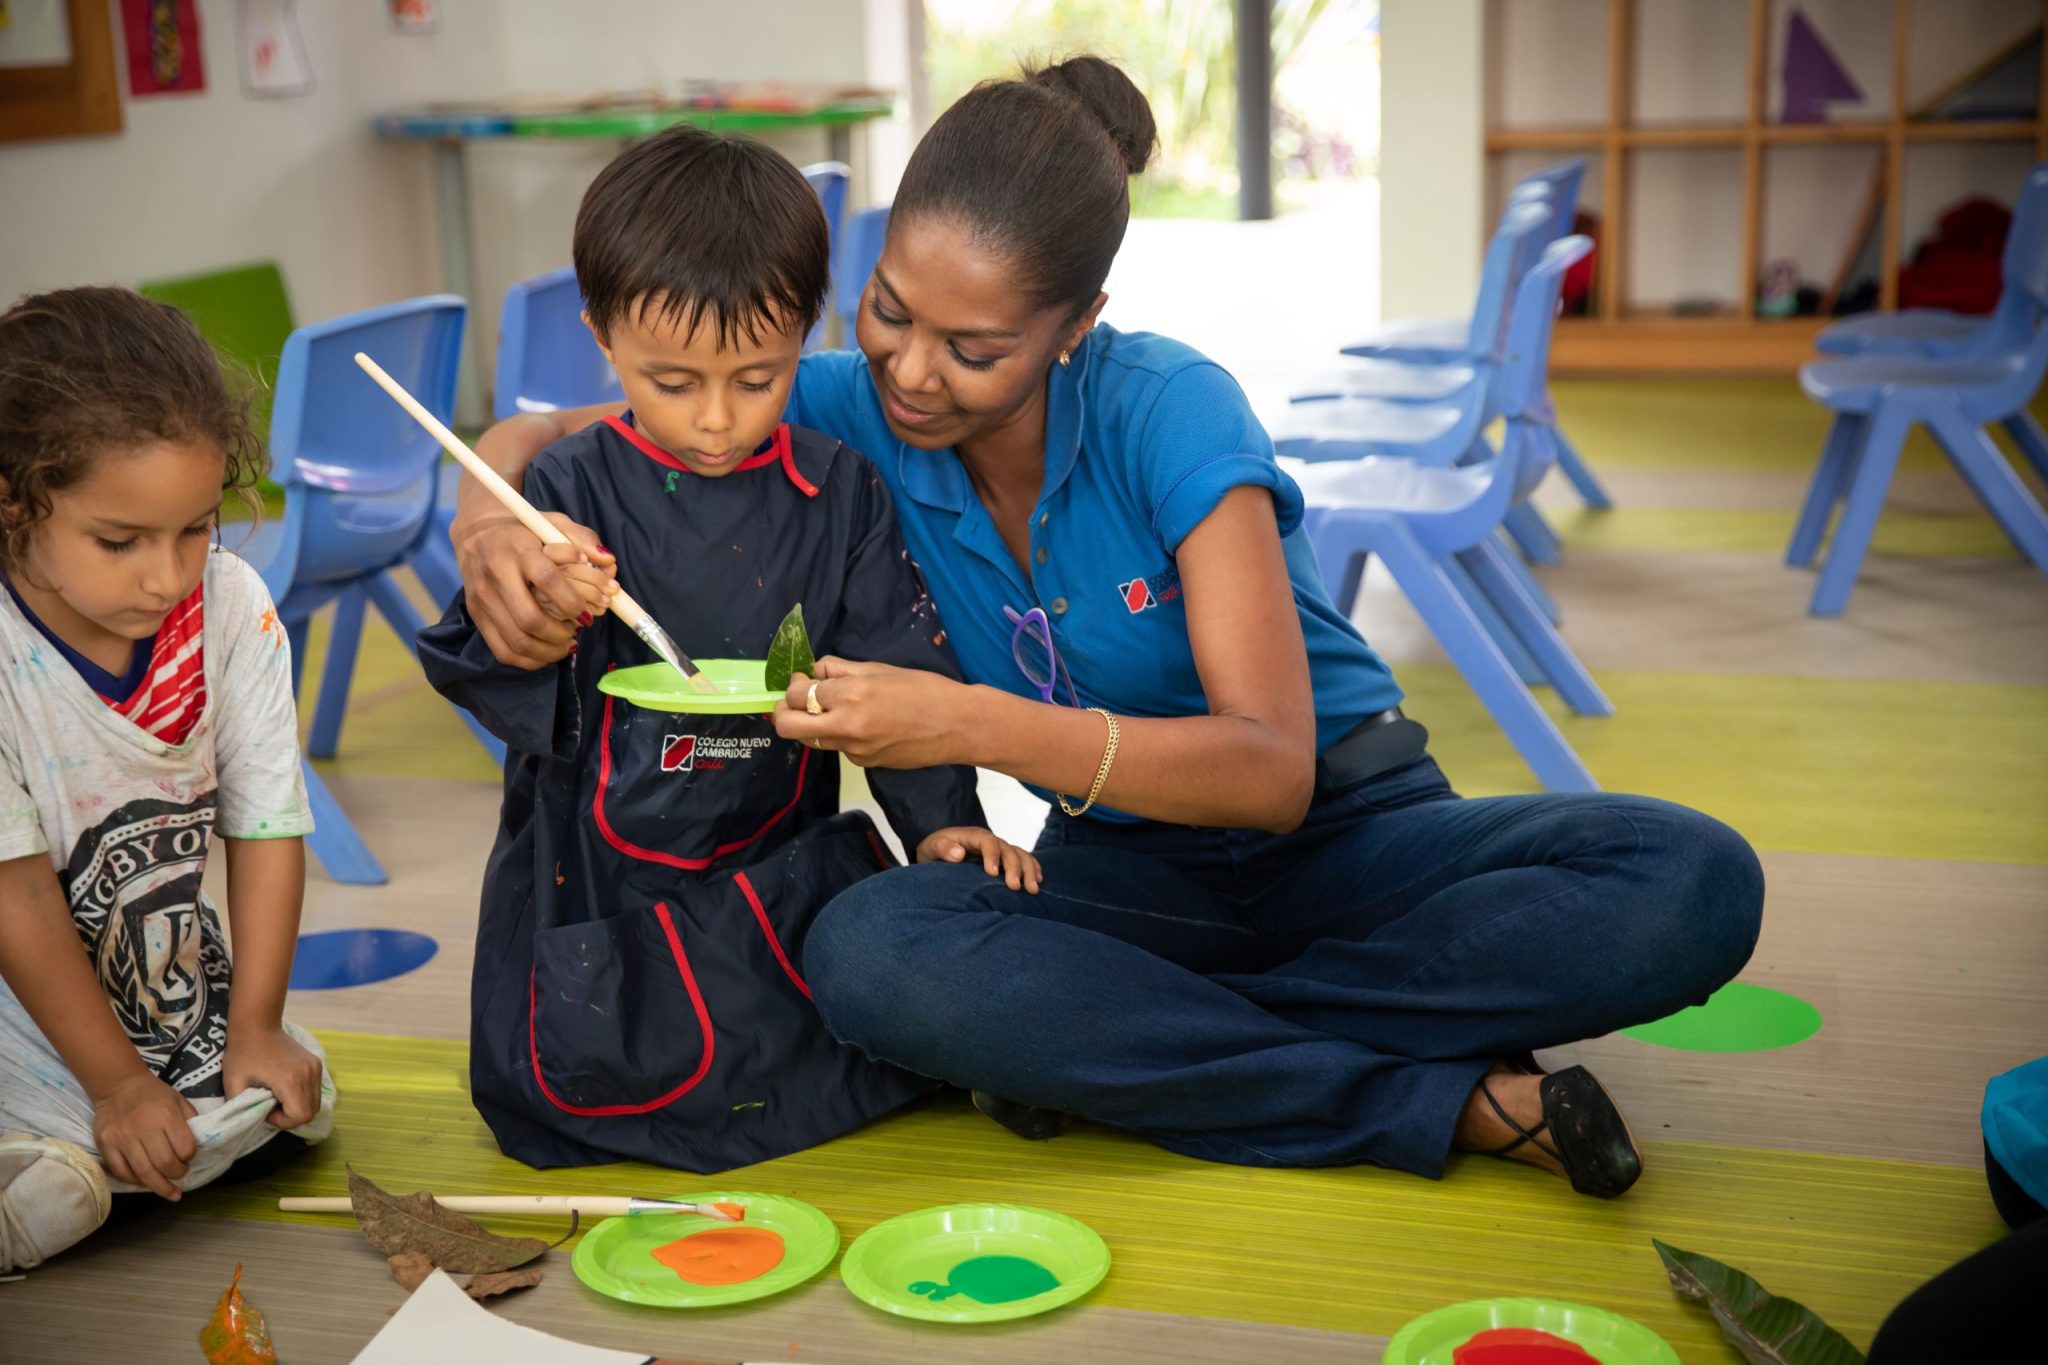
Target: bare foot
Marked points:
1480	1129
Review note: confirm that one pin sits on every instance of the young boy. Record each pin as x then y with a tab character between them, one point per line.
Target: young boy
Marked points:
637	990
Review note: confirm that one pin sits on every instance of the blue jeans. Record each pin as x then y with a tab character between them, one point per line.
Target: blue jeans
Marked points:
1325	997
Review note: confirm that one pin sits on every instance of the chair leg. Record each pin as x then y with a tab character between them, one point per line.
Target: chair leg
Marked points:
2026	433
1533	734
1579	472
334	840
1519	566
434	562
405	619
1830	478
332	706
1498	630
2003	493
1533	534
295	635
1870	469
1491	567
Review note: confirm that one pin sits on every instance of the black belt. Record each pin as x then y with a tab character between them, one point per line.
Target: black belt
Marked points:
1378	744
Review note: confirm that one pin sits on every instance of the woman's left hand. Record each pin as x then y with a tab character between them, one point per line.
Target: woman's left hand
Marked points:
878	715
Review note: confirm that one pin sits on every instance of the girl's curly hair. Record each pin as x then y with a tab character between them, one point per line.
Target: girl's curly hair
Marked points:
88	373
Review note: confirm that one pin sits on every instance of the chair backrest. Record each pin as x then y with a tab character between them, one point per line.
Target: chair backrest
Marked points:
828	181
547	358
243	312
2026	243
860	246
1507	256
1563	180
360	475
1525	359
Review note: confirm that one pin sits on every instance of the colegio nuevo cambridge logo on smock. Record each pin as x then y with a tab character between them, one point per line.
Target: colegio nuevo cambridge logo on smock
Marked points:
695	753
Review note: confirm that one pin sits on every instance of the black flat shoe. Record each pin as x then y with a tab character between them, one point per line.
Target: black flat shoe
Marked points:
1588	1136
1025	1121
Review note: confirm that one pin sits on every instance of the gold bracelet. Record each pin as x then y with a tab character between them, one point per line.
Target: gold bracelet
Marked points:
1101	773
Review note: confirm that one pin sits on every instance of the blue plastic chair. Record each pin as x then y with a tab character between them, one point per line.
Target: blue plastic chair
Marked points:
1428	522
828	180
1936	334
1877	399
361	482
547	358
1448	342
853	261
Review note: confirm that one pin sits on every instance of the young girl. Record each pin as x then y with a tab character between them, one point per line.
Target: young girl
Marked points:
145	704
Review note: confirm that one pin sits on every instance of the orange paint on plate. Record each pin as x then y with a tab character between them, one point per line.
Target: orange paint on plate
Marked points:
723	1255
736	1212
1519	1346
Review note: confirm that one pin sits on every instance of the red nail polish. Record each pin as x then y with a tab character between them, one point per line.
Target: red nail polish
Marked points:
607	550
585	619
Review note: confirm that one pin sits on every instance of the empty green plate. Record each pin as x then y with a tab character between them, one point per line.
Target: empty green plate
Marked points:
974	1263
617	1256
660	688
1614	1340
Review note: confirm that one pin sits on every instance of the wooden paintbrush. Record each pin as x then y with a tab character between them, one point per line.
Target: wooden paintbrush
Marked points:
535	1205
623	606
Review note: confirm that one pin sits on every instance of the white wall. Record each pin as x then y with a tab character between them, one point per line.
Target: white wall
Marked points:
195	182
217	178
1432	213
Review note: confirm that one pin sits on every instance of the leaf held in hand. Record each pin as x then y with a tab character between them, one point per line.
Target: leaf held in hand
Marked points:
1767	1330
417	1223
236	1333
410	1269
501	1282
789	653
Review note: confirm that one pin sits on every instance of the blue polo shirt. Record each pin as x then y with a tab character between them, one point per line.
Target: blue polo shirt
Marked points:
1144	436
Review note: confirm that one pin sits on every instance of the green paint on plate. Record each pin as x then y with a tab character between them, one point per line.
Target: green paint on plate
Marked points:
1737	1018
991	1279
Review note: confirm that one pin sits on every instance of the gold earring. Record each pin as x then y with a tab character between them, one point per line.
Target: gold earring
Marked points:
1066	356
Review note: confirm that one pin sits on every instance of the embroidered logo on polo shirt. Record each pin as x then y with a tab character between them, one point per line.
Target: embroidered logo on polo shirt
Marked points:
689	753
1143	594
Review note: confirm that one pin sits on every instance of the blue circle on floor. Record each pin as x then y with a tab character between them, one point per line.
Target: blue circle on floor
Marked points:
357	957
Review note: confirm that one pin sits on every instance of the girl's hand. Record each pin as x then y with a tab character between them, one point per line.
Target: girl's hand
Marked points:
140	1128
271	1059
880	716
1017	867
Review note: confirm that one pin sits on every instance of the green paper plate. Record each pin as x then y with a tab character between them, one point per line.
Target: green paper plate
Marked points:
660	688
974	1263
1613	1339
617	1256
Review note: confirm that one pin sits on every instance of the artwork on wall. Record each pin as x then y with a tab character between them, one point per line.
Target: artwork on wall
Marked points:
164	56
274	61
415	16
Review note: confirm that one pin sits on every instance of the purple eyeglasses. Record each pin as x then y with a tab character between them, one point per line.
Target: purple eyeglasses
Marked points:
1031	647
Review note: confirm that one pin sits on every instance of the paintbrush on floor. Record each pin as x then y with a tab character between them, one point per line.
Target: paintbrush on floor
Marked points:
622	606
536	1205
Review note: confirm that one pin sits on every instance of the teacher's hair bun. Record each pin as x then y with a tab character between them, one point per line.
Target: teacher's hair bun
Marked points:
1109	95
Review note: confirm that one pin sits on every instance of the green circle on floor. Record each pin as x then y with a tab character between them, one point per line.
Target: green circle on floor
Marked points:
1737	1018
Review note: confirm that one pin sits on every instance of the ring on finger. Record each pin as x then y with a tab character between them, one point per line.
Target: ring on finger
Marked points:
811	701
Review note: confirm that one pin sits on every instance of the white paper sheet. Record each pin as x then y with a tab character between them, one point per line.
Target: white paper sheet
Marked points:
441	1325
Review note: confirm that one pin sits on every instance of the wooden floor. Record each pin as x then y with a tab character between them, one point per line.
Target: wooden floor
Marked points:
1888	765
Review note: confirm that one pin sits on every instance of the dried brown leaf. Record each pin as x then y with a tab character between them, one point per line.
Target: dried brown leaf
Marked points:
416	1222
410	1269
501	1282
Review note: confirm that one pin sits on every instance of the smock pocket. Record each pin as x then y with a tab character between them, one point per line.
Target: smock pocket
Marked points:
616	1023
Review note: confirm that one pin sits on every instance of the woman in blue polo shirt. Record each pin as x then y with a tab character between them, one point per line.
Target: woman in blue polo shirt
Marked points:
1269	932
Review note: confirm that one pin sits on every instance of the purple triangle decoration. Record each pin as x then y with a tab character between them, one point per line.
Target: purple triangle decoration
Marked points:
1813	77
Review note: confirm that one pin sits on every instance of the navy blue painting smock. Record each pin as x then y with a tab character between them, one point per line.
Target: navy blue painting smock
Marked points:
636	989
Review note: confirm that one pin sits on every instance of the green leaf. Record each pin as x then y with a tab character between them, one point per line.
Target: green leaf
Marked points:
789	653
1767	1330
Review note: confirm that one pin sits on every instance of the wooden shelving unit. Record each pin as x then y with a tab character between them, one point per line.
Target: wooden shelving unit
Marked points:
1622	339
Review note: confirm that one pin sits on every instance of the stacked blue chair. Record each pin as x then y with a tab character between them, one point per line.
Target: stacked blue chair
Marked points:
853	261
361	485
1878	396
1401	347
1430	523
1442	433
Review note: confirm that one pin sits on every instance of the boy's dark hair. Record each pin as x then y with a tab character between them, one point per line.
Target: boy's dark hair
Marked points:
86	373
692	223
1039	169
